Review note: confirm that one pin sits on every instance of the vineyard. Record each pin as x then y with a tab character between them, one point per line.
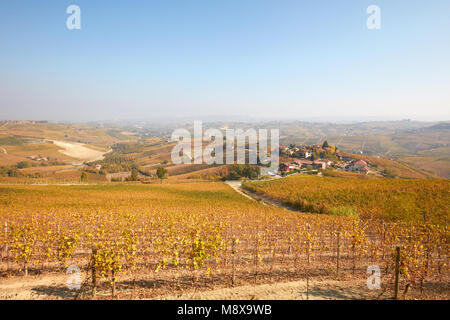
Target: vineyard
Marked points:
142	241
389	199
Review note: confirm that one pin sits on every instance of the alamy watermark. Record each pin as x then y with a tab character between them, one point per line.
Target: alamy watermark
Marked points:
74	280
73	21
374	280
241	147
374	20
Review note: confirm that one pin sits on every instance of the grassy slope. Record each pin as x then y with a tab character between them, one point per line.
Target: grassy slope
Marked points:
438	165
392	199
400	169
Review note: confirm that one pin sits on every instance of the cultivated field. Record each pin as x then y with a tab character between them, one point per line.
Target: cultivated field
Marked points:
388	199
157	241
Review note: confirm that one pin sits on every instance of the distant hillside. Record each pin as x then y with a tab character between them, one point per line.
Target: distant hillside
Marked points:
420	144
439	126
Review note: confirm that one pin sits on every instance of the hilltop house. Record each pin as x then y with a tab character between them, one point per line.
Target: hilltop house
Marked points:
321	163
359	166
290	166
286	167
305	153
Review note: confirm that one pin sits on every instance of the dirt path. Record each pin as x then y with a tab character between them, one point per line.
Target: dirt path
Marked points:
237	186
79	151
32	287
294	290
53	286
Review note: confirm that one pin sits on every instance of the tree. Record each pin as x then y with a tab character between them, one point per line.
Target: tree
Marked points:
238	171
84	177
13	173
134	174
161	172
23	164
325	144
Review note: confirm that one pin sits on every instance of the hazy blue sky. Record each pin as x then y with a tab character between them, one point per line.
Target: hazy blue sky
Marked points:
258	58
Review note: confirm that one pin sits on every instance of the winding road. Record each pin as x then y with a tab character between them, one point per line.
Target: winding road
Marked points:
237	186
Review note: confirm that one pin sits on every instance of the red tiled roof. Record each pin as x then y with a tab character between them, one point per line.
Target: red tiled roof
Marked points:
360	163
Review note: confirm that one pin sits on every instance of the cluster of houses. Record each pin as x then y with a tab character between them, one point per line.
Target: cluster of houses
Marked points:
299	152
306	158
350	164
358	166
38	158
301	163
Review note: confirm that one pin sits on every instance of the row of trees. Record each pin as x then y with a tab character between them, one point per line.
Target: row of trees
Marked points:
161	173
239	171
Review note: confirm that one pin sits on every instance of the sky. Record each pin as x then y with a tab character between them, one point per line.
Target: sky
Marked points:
259	59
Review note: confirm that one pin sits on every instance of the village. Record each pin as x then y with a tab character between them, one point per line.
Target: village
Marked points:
312	158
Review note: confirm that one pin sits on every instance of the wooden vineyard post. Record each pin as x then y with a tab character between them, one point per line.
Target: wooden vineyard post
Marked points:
6	245
113	283
337	253
439	262
353	248
397	271
233	251
427	261
308	244
273	258
94	275
255	259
